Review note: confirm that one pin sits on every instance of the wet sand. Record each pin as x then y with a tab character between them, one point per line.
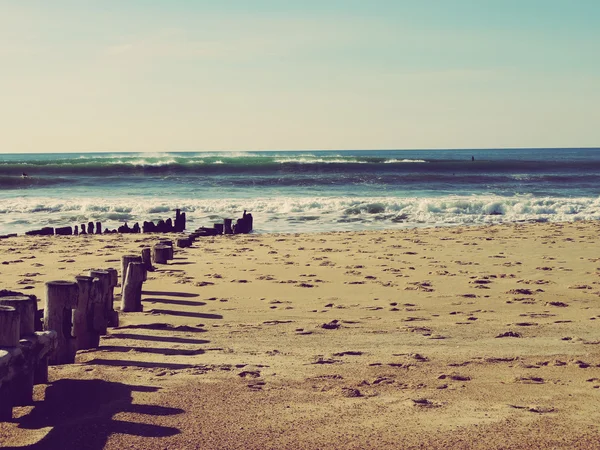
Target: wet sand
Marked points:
483	337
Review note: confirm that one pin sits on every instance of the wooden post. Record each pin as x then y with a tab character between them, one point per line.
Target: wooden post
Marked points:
168	243
219	228
6	402
161	253
61	297
147	258
83	325
183	242
63	231
113	315
98	227
99	323
227	224
9	326
131	301
125	261
90	228
101	309
26	307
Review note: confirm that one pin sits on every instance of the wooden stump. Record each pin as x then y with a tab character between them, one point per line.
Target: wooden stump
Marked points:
83	316
227	224
22	386
6	402
26	308
125	261
9	326
113	315
183	242
147	259
219	228
40	372
99	323
102	309
61	298
131	301
161	254
114	276
168	242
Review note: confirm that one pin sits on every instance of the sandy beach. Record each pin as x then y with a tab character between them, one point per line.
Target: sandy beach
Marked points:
457	337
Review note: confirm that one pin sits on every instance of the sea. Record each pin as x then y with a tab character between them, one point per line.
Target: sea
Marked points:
301	191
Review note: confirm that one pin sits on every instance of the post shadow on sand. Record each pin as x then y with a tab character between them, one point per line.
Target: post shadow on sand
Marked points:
153	350
172	339
173	302
80	413
186	314
144	364
171	294
164	327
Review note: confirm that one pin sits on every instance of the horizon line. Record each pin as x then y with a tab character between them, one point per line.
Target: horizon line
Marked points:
305	150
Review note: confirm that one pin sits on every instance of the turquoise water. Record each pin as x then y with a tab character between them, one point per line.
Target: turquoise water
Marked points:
302	191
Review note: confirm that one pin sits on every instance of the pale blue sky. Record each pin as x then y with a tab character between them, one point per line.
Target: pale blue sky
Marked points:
116	75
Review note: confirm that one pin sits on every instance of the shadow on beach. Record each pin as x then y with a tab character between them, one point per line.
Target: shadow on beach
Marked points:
81	412
171	294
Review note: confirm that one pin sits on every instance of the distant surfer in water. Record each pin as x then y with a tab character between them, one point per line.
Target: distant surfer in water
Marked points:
24	175
472	158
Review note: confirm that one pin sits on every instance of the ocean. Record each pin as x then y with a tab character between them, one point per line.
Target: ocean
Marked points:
302	191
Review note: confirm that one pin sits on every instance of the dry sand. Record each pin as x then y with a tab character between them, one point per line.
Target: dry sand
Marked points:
232	352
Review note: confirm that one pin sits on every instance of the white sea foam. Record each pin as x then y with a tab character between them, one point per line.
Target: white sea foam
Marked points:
288	214
314	160
394	161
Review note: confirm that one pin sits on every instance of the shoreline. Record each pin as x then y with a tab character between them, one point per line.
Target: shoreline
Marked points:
231	349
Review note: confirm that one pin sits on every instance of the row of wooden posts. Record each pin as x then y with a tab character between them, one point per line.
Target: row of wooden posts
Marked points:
162	226
241	226
76	314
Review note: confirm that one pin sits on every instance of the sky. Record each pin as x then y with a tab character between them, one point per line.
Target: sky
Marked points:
183	75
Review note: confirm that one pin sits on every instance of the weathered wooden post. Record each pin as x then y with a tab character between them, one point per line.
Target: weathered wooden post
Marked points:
113	315
125	261
9	338
177	224
90	228
227	224
97	312
61	298
10	324
63	231
101	308
26	308
161	254
168	243
131	300
98	227
183	242
147	259
83	323
219	227
75	230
